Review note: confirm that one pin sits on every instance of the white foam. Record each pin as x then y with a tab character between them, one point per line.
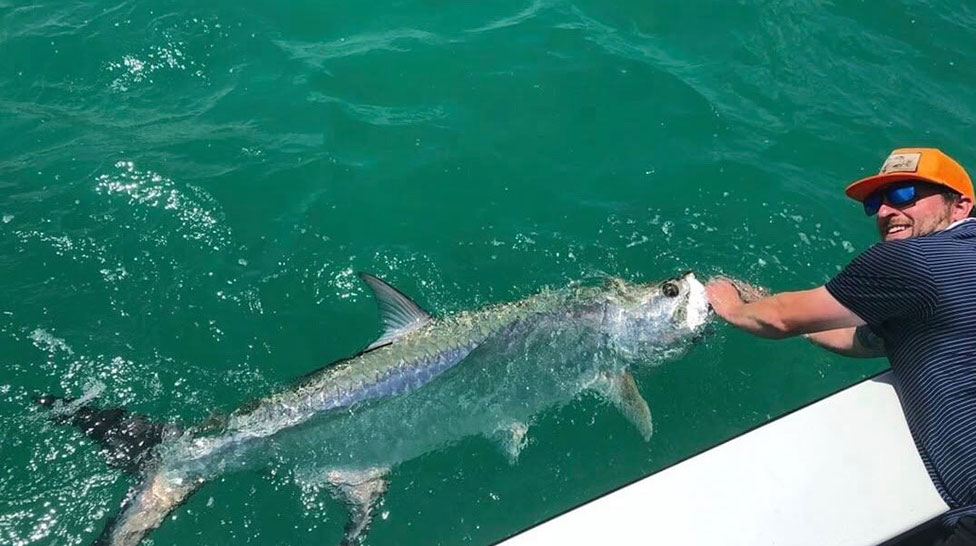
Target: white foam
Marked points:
698	312
48	343
93	390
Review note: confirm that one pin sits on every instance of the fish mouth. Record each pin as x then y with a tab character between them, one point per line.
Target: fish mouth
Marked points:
697	307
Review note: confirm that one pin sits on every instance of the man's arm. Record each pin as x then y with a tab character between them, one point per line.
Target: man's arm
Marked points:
782	315
859	342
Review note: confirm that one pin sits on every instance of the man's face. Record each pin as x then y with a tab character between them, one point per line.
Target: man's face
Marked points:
929	213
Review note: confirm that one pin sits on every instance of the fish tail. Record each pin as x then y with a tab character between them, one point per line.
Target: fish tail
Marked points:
127	441
146	507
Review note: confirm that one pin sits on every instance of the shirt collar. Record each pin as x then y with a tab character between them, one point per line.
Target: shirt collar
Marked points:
960	222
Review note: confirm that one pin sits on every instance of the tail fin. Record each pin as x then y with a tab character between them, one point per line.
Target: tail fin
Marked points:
146	507
126	440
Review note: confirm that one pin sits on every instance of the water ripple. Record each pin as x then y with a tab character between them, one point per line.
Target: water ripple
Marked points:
529	12
384	115
314	53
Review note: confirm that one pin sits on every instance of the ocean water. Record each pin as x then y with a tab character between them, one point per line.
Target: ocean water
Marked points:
188	189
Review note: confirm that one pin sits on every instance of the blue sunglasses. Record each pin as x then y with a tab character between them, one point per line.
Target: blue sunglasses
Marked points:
898	195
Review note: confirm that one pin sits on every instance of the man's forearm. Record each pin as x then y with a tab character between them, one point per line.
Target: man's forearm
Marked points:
764	318
782	315
857	342
785	314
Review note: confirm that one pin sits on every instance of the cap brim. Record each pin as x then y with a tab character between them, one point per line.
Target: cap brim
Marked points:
866	186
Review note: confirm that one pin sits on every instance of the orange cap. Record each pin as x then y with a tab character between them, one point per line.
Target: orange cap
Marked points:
925	164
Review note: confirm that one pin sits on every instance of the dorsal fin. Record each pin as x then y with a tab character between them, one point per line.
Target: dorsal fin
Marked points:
399	313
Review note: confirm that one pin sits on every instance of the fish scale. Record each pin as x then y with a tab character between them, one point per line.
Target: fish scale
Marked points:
411	362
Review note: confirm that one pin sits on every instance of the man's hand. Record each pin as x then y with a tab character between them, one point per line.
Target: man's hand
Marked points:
724	297
782	315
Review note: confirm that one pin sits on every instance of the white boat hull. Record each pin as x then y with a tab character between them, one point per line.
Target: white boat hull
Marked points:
843	471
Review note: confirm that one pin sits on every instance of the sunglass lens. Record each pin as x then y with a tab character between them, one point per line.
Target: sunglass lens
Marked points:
872	203
901	196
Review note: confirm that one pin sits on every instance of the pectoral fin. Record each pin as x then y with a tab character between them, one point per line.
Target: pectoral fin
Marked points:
361	490
621	390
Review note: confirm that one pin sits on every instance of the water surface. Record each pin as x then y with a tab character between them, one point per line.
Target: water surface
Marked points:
187	191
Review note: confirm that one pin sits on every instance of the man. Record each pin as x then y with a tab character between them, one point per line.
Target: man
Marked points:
911	299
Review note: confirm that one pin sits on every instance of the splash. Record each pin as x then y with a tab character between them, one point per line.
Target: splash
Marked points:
48	343
132	70
197	213
185	49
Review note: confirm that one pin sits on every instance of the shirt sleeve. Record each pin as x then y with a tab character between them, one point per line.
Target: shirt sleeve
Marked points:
889	280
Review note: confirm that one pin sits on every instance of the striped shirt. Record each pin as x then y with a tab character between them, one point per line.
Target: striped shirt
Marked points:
916	294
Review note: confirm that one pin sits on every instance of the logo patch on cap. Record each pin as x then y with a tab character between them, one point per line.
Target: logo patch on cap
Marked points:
901	163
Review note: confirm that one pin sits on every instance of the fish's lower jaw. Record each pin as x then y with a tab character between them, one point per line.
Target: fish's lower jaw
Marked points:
698	311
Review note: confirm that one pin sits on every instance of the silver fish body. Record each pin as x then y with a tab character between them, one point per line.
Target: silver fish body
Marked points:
430	382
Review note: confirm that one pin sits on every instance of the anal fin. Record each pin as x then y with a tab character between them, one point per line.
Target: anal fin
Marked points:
361	490
512	437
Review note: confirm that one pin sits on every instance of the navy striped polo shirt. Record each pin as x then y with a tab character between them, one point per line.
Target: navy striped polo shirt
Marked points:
917	295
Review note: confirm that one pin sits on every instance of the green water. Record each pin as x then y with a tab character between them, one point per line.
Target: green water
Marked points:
187	190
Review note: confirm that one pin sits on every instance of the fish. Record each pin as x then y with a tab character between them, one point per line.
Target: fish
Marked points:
423	384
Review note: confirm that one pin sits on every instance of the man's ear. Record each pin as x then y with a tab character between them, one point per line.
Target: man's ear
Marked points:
962	207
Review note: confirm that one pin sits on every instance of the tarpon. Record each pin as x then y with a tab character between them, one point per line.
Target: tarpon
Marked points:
349	423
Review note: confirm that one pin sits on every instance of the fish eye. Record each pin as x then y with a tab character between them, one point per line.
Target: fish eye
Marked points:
670	289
